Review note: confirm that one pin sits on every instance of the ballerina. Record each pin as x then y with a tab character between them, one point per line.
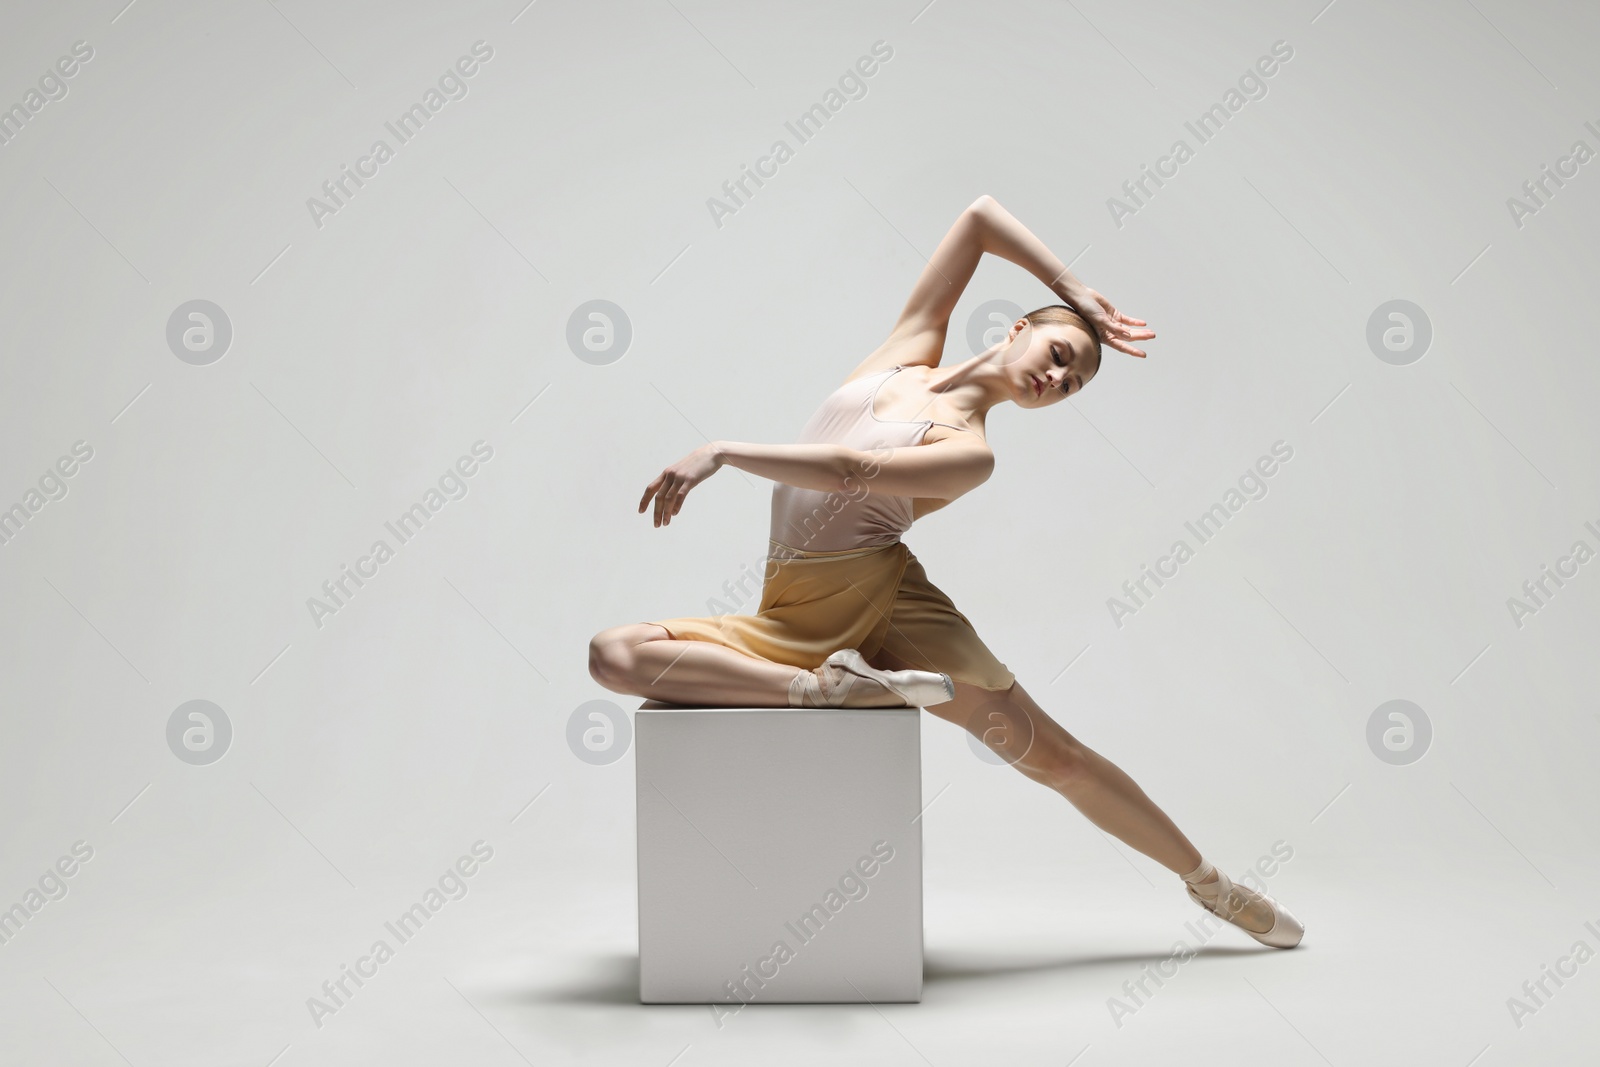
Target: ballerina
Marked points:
848	616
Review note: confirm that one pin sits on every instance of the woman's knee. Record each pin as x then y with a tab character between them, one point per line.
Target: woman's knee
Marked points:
1017	730
611	655
1058	762
1066	764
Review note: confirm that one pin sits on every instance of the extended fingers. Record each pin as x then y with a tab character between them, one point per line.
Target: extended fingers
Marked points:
661	488
665	504
669	490
669	501
649	491
1125	329
1123	319
1112	311
664	501
674	503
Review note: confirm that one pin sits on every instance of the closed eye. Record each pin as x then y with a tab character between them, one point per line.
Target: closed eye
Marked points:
1055	354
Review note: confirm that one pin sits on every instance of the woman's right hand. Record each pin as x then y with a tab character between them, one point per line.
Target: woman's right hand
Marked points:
1115	329
674	483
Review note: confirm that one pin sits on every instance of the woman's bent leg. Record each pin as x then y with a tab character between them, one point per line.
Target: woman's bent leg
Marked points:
643	659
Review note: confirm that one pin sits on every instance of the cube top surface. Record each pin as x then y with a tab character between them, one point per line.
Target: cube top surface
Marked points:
657	705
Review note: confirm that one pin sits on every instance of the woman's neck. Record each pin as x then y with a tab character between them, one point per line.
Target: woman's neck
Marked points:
973	386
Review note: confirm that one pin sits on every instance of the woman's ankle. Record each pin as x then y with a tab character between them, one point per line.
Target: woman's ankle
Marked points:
1206	874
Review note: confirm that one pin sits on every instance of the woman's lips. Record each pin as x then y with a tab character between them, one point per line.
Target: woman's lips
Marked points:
1038	390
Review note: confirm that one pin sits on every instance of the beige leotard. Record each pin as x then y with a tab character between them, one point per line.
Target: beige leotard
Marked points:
817	521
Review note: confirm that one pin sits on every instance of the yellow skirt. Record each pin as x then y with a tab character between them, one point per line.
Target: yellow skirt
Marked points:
874	600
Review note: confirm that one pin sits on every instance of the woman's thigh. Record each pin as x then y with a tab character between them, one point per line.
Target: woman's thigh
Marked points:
928	632
630	633
1009	722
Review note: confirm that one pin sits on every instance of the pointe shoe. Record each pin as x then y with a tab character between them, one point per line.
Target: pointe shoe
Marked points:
1285	932
845	675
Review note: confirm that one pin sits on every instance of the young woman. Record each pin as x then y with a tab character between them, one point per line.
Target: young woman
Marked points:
848	617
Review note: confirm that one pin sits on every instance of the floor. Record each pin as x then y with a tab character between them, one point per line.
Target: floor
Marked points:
197	952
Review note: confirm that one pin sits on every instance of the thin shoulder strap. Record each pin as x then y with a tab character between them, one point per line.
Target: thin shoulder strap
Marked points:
953	426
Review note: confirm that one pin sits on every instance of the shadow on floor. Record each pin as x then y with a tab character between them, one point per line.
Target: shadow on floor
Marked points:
951	967
614	979
611	979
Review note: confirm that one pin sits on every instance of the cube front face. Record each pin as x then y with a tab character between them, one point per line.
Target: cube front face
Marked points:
780	855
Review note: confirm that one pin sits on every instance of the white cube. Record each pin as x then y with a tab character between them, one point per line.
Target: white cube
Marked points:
780	854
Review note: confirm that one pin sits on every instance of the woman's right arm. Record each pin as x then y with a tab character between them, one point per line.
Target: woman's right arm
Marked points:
918	336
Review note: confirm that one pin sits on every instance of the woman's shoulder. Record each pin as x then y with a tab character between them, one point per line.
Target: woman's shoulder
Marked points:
923	348
864	371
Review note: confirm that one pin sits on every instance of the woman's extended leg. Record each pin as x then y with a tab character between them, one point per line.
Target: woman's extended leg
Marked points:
1015	728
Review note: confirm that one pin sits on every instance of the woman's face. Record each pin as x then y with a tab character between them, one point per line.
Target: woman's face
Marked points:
1046	364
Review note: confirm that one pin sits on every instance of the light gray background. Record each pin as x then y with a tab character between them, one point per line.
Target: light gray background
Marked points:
369	354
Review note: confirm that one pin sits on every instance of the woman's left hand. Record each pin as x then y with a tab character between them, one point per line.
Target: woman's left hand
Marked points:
1115	329
674	483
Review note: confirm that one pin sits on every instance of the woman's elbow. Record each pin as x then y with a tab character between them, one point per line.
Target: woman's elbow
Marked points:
982	467
983	208
963	477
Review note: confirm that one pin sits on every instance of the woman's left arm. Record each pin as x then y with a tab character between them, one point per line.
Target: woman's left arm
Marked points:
942	470
824	467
